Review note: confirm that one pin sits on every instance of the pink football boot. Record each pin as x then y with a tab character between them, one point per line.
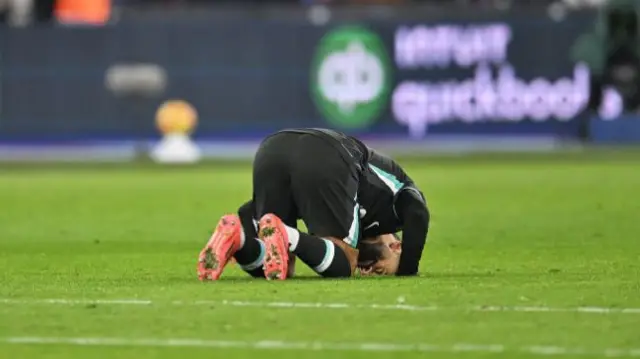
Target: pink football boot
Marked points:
220	249
274	235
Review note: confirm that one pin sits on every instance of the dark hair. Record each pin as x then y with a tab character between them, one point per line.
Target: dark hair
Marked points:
370	253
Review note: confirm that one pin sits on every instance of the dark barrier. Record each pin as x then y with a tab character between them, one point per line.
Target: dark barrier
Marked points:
505	75
622	130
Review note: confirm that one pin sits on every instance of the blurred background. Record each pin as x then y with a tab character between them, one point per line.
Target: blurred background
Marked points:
109	79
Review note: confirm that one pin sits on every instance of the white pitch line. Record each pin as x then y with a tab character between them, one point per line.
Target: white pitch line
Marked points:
593	310
76	301
320	305
324	346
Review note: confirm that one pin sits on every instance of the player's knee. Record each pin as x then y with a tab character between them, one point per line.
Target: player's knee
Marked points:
246	209
343	263
350	252
339	267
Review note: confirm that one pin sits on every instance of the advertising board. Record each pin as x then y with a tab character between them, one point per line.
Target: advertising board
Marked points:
506	75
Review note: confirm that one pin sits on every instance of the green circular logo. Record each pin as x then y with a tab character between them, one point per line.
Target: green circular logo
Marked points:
350	77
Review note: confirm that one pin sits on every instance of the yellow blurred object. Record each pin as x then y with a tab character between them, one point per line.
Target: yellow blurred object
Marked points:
176	117
95	12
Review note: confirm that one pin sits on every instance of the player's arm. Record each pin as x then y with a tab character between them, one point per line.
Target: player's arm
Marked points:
414	215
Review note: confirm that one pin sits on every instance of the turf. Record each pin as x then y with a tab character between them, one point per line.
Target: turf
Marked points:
548	232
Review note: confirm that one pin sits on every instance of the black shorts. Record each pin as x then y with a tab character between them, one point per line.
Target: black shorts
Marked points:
303	176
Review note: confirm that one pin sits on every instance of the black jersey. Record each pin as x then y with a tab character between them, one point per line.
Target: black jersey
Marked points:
379	188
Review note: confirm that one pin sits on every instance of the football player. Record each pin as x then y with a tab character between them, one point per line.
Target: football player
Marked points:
308	174
322	177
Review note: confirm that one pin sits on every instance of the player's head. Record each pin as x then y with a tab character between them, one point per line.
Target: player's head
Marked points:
380	255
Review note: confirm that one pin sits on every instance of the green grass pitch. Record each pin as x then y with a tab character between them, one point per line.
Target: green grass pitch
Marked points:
99	262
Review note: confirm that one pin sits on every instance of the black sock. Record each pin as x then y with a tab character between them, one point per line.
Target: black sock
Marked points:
324	257
251	255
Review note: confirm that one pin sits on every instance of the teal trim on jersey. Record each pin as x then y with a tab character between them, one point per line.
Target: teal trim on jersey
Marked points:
390	180
354	230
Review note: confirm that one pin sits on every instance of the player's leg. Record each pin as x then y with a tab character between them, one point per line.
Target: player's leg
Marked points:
330	254
327	256
272	177
325	193
241	243
272	194
324	188
271	190
250	254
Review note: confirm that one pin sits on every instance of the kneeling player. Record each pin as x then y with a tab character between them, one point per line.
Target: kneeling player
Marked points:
308	174
323	177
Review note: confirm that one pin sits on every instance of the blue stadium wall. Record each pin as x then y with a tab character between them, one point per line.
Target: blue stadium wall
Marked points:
250	77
